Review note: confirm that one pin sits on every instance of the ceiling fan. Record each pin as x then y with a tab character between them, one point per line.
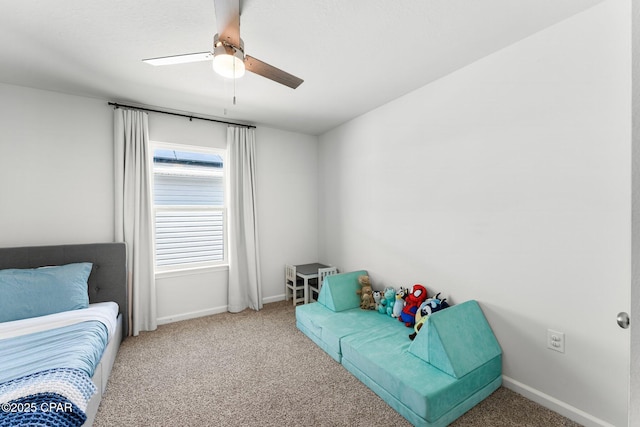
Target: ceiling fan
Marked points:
228	55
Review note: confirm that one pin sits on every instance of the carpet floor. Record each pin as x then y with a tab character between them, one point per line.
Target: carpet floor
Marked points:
256	369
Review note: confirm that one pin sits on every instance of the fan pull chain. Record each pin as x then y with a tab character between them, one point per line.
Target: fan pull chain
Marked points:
234	82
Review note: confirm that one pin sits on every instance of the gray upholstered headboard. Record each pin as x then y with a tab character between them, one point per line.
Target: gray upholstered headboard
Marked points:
108	279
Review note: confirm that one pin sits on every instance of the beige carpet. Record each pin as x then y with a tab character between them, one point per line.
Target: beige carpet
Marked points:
257	369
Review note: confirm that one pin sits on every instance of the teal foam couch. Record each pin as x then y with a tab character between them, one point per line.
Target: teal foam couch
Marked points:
453	363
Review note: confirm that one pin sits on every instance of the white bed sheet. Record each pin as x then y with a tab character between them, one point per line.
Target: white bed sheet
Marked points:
105	312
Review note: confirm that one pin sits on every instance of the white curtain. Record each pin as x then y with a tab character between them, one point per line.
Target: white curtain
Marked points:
245	289
134	214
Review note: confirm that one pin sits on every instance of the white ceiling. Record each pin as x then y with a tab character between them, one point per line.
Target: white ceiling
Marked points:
354	55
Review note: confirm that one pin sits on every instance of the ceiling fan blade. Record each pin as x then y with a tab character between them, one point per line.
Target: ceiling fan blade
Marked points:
180	59
228	20
269	71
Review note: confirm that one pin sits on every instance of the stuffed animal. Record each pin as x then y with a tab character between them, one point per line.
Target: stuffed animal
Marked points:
390	298
382	308
387	297
366	293
398	304
377	298
430	306
367	301
416	297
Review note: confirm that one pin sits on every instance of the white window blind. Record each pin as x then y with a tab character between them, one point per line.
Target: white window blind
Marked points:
190	212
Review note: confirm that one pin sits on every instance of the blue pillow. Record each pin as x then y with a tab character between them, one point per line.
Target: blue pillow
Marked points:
40	291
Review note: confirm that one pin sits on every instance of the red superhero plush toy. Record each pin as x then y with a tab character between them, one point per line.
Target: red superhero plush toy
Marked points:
411	303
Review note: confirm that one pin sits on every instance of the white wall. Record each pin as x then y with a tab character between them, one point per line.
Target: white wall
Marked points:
56	186
287	188
507	182
56	168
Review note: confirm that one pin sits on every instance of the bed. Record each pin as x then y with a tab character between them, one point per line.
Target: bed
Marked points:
65	386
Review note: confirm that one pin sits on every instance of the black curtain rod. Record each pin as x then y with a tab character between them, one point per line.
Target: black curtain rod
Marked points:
180	115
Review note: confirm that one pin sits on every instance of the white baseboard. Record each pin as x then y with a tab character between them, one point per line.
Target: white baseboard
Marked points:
208	312
273	299
191	315
554	404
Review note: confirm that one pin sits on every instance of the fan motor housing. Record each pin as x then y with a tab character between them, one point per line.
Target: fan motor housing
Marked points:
222	46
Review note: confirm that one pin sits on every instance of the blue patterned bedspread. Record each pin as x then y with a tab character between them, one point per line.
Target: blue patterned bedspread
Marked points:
45	377
78	346
56	397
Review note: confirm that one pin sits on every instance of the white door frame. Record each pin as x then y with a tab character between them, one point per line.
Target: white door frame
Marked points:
634	330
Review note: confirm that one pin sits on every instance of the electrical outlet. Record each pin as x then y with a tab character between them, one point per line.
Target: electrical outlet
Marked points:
555	340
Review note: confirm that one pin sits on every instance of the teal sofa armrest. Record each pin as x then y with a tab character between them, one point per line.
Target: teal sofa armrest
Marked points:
456	340
338	291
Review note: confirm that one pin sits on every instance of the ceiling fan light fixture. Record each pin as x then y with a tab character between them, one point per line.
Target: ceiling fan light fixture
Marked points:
227	51
228	61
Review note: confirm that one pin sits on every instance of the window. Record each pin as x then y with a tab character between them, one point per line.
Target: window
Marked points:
189	204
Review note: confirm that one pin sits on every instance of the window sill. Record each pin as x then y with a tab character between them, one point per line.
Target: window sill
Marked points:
187	271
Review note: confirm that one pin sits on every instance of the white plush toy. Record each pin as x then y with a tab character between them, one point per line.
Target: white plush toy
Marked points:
377	297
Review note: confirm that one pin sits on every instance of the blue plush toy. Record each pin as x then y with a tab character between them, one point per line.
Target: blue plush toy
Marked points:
427	308
386	303
382	307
